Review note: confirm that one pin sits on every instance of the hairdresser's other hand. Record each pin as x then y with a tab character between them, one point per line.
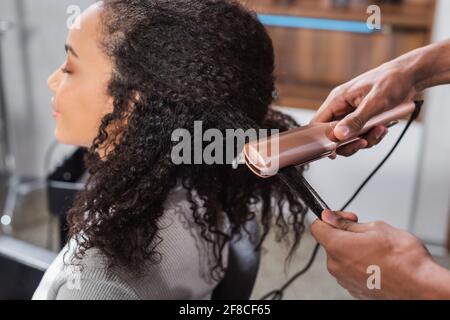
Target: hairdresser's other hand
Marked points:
406	268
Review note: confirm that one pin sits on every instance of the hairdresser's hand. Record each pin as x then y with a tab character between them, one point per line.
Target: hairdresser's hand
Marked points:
383	88
406	268
355	102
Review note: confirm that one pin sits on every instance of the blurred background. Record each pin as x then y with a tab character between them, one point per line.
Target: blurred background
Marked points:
319	44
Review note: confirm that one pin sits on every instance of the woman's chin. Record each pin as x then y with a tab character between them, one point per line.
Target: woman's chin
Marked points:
66	139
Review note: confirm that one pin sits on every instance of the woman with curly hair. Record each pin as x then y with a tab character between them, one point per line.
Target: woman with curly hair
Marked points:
144	227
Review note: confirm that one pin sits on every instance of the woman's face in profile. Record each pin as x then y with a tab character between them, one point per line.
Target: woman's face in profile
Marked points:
79	86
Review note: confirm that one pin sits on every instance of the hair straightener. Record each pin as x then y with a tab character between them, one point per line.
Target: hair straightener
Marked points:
305	144
281	153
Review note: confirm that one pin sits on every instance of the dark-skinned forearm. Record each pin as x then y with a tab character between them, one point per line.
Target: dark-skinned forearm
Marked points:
433	282
428	66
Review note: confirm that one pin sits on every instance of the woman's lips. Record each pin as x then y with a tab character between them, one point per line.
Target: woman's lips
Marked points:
56	114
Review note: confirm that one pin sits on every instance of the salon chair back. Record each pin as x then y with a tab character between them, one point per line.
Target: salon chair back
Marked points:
62	186
22	266
243	265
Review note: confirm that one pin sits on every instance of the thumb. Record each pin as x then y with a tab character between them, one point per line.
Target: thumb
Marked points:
347	215
339	220
352	124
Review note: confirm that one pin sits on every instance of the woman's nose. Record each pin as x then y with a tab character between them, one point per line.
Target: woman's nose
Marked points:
53	81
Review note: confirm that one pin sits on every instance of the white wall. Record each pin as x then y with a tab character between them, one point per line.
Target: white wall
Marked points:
433	197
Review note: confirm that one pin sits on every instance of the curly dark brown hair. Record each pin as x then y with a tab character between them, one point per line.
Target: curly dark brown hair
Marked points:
180	61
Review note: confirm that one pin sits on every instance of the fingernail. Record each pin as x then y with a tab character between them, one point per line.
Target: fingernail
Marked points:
328	216
344	131
386	131
363	144
380	134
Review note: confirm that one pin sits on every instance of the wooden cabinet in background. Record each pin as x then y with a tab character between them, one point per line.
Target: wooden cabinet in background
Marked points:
310	63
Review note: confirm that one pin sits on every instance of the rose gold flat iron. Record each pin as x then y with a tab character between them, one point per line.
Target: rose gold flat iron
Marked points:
305	144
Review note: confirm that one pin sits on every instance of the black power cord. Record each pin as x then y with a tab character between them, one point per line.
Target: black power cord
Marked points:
279	293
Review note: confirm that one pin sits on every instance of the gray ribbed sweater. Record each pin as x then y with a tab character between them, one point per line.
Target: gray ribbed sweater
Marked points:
183	272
